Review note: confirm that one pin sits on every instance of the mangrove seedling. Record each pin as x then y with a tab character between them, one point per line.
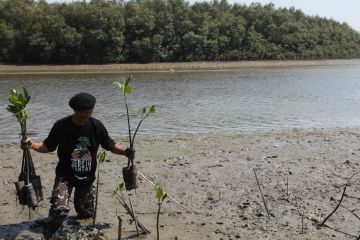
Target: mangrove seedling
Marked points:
100	159
118	194
127	89
160	195
28	186
130	172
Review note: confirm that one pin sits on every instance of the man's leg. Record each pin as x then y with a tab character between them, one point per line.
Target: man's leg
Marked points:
59	203
84	199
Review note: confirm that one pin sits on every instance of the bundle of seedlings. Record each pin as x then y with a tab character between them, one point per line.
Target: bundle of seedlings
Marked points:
130	172
118	194
28	185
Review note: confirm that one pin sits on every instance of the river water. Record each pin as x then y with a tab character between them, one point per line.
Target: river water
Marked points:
196	102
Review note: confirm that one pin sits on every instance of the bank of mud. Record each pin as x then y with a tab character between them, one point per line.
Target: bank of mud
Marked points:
301	172
166	67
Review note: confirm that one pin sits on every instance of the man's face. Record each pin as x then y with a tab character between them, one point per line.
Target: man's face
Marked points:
82	116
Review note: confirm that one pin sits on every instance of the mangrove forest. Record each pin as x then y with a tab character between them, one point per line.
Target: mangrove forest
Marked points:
143	31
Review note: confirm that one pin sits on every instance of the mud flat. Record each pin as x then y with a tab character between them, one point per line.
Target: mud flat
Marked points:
301	172
166	67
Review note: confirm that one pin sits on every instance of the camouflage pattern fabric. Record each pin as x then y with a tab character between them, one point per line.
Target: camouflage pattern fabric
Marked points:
84	201
84	198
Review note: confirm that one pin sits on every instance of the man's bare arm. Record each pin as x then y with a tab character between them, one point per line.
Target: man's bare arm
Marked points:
117	149
36	146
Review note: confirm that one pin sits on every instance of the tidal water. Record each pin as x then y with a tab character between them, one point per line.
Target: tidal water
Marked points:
197	102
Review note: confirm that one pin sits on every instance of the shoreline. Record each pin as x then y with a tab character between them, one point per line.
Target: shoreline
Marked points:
124	139
213	176
168	67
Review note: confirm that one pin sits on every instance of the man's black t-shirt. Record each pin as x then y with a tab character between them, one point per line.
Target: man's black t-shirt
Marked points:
77	148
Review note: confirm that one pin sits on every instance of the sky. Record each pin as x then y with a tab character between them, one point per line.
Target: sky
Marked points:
340	10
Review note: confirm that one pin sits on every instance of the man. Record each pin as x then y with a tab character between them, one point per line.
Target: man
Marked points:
77	138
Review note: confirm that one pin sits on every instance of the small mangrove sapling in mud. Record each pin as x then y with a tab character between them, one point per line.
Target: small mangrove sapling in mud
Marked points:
130	172
100	159
160	195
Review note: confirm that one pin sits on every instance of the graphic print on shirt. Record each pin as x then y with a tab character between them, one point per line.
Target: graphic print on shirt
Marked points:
81	159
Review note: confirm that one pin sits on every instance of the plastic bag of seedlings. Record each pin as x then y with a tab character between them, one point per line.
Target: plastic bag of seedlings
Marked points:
29	194
20	192
129	175
36	182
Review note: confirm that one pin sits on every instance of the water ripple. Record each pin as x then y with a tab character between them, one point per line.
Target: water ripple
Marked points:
195	103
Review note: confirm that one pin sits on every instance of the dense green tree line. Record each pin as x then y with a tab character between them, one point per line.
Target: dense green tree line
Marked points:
165	30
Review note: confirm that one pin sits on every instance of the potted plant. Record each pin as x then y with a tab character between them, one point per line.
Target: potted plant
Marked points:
130	172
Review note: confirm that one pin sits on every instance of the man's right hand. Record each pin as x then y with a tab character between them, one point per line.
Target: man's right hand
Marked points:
36	146
25	143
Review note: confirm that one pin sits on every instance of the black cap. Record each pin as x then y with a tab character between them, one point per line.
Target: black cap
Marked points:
82	102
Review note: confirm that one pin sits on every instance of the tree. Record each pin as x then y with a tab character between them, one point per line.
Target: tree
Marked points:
100	25
7	37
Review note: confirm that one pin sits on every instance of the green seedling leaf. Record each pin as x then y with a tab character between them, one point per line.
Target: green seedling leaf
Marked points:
127	89
22	99
165	195
12	91
119	85
27	96
142	110
21	116
101	157
12	109
119	188
153	109
127	81
15	100
160	193
123	87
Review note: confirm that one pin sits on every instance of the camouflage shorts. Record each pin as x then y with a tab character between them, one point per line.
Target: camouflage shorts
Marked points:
84	198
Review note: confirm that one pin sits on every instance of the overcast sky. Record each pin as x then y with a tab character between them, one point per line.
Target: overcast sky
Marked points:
341	10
